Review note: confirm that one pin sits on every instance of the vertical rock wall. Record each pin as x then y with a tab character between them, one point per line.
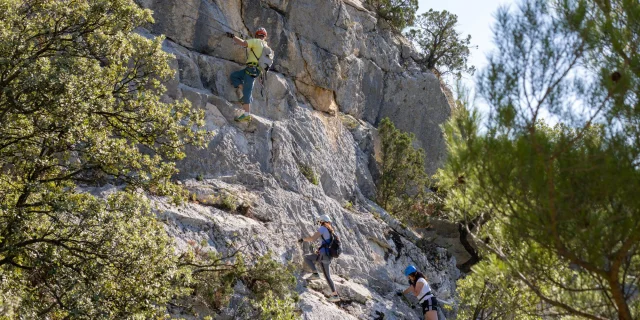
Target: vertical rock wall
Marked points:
337	73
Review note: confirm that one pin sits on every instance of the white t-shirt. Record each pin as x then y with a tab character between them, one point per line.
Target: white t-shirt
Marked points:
425	289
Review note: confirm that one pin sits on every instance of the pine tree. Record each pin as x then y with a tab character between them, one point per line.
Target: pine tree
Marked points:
402	187
555	174
443	48
399	13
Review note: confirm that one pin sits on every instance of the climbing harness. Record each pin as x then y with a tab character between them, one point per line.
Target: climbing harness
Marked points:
251	69
266	61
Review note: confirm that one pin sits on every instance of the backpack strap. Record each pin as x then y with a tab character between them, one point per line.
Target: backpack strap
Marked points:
324	244
425	295
429	293
263	75
255	55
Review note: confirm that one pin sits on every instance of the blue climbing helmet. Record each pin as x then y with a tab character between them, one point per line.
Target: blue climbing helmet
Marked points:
409	270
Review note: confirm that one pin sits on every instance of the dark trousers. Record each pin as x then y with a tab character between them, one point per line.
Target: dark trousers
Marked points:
325	262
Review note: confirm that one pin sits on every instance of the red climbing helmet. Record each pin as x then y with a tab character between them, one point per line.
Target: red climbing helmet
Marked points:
261	32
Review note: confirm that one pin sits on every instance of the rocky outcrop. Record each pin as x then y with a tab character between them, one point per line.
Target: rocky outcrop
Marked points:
311	148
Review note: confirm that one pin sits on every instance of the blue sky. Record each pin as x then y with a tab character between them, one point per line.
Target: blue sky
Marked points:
475	17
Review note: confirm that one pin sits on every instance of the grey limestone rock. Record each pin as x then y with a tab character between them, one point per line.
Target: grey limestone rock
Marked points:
415	103
311	147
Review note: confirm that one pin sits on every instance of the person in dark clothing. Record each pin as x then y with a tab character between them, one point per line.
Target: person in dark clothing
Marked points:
325	234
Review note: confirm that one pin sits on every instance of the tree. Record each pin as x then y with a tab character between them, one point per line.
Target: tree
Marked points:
402	187
493	294
443	48
560	204
399	13
212	277
80	107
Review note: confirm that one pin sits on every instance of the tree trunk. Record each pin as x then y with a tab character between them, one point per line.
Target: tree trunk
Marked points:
464	240
618	297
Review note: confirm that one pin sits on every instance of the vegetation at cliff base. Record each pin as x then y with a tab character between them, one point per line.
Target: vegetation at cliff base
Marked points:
402	188
212	277
551	182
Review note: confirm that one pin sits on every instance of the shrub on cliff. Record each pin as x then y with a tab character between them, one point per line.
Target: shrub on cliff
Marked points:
80	107
213	276
399	13
402	188
443	49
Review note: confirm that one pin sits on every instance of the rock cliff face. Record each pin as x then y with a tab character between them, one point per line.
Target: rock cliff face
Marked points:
337	72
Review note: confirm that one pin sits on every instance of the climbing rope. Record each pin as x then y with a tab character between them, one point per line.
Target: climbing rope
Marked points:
206	24
212	18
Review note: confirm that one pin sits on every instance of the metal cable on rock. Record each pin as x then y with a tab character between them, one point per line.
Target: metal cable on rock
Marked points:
212	18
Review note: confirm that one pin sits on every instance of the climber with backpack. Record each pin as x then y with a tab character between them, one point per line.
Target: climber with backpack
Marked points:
419	286
259	59
328	250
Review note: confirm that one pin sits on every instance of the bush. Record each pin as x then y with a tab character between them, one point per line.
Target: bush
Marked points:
349	206
399	13
444	50
80	106
308	173
402	189
229	202
274	308
213	276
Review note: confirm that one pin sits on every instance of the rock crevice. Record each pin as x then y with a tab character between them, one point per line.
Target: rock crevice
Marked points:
339	73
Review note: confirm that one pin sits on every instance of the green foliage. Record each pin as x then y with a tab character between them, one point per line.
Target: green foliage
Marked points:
268	275
273	308
443	48
308	173
399	13
557	205
213	277
349	206
80	106
229	202
225	200
349	121
491	293
402	187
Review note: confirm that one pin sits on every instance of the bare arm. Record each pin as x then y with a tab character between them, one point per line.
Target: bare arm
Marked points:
407	290
240	42
314	237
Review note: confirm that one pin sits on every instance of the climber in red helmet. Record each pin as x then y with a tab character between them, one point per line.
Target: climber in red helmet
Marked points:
243	79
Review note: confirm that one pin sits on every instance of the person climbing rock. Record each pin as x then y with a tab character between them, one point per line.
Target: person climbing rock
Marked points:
419	286
326	234
244	79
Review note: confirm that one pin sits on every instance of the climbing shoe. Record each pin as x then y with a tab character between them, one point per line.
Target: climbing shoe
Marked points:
243	117
334	298
314	276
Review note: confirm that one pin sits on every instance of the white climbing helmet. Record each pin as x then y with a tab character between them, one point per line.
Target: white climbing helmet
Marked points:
323	218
